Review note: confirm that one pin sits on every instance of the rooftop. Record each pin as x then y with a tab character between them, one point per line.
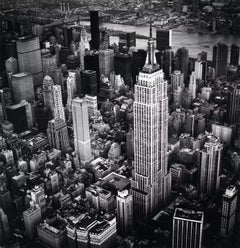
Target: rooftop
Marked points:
187	214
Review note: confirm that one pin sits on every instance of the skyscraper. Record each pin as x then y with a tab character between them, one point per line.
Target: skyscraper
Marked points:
4	228
220	58
187	228
122	66
229	205
177	79
82	142
29	58
210	166
193	85
152	185
89	82
182	61
71	89
234	54
47	94
52	97
127	39
22	85
106	62
124	212
234	104
58	134
32	217
58	105
167	62
95	32
164	39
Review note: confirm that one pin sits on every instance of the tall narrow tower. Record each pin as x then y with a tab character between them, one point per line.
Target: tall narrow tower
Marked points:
82	140
152	185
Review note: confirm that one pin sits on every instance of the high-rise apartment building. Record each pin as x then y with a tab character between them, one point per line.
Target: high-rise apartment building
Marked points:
23	89
29	58
220	58
47	93
187	228
164	39
210	166
193	85
124	212
58	134
152	184
228	215
82	140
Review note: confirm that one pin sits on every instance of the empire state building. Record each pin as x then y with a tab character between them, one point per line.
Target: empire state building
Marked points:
151	187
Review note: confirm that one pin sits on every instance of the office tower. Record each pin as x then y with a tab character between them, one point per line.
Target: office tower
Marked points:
220	58
2	52
124	212
68	36
52	234
64	52
152	185
210	166
11	65
49	65
4	228
32	217
234	54
91	104
105	238
82	142
5	197
187	228
234	104
106	62
127	40
91	62
95	32
104	40
228	214
122	66
11	49
167	62
58	134
17	116
177	80
58	105
71	89
89	82
38	197
6	100
29	58
23	89
182	60
48	94
72	62
199	69
54	182
164	39
43	115
193	85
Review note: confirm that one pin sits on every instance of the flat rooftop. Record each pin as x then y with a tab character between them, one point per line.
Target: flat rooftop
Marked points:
188	214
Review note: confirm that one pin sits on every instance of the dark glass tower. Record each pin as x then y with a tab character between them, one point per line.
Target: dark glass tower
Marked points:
182	61
220	58
234	54
95	32
163	39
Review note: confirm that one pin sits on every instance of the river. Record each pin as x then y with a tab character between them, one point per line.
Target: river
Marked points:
194	42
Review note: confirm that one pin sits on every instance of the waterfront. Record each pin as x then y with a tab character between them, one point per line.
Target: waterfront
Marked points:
194	42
